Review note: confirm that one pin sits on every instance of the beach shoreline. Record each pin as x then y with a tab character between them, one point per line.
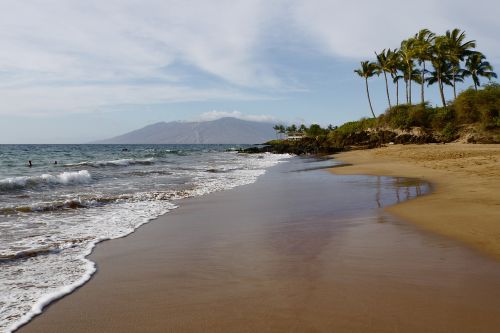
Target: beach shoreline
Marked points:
465	203
277	256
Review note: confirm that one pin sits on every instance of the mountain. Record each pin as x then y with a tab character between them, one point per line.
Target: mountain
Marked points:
224	130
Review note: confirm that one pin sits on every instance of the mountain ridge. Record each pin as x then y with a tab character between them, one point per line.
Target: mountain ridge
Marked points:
225	130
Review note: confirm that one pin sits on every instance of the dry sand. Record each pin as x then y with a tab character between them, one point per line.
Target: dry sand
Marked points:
294	252
465	204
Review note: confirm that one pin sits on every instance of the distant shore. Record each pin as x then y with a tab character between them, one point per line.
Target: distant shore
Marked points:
465	204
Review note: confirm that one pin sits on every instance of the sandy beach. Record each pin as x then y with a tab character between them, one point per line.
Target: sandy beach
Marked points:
465	203
297	251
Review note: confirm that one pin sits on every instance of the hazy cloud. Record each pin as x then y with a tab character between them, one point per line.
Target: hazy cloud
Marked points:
357	28
78	56
213	115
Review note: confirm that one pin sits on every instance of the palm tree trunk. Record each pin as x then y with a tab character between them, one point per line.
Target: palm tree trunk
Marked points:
369	100
454	86
397	92
387	90
406	89
409	90
475	86
423	82
441	91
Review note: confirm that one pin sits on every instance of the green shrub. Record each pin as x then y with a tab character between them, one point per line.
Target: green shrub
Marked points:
496	122
336	137
315	130
466	106
396	117
419	115
440	117
406	116
489	105
470	106
356	126
479	106
449	132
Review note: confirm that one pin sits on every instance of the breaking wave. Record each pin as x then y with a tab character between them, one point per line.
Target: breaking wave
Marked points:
55	230
116	163
64	178
86	201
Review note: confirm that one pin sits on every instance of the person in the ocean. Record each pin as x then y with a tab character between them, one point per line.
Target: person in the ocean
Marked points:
29	164
55	162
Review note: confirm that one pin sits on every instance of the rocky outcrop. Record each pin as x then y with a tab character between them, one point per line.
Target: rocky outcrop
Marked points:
376	138
358	140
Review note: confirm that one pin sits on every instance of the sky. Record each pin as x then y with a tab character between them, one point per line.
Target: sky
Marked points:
75	71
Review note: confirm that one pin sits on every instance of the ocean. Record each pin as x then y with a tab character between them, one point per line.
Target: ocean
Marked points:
73	196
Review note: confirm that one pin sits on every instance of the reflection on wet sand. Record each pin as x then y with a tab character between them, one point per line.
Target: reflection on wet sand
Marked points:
404	189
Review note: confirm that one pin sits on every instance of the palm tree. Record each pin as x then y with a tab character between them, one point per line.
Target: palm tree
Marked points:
407	55
439	61
415	75
367	70
442	74
408	77
384	66
457	49
396	79
423	52
282	130
395	65
476	67
276	128
291	129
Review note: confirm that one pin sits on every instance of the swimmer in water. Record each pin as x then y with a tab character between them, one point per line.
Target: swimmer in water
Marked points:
55	162
29	164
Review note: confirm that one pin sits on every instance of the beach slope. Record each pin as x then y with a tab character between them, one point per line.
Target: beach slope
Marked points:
297	251
465	203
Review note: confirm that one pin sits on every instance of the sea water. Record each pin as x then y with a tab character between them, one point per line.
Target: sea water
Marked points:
73	196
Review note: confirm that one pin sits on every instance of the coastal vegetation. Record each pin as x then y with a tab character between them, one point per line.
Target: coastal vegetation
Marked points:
473	117
426	59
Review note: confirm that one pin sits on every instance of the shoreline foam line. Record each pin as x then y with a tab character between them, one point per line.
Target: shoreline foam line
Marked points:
90	266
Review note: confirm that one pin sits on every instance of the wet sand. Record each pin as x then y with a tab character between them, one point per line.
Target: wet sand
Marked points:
293	252
465	203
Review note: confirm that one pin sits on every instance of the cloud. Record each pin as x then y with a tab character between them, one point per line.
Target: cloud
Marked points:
42	101
78	56
213	115
129	39
355	29
72	55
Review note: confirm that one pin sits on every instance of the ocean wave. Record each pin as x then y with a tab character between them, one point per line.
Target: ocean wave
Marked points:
44	250
64	178
116	163
68	204
151	172
178	152
68	280
49	247
221	170
90	201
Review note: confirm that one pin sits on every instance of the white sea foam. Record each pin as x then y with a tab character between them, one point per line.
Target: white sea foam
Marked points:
39	280
120	162
64	178
29	284
46	299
